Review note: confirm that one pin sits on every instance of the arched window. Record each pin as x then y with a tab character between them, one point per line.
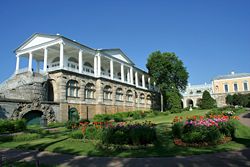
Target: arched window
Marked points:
107	93
90	91
88	64
72	88
142	98
129	96
73	62
119	94
149	99
55	62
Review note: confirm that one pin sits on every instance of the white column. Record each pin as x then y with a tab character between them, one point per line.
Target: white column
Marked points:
143	81
128	76
17	63
149	84
122	72
61	56
45	59
95	66
136	79
131	76
99	64
80	61
111	69
30	61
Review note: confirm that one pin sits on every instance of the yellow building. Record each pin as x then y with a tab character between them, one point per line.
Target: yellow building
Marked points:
230	84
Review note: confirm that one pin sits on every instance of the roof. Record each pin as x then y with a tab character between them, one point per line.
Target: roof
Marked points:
231	76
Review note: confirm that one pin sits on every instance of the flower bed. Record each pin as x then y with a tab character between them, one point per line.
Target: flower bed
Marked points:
200	131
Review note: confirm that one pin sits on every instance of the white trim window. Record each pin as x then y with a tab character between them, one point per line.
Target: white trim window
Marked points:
226	88
72	88
90	91
142	98
107	93
119	94
129	95
245	86
235	87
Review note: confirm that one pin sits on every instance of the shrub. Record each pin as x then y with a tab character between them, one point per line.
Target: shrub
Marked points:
56	124
207	102
76	134
102	118
72	125
177	130
10	126
83	121
93	132
131	134
26	137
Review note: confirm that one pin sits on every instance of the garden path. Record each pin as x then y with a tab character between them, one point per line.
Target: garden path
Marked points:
245	118
233	158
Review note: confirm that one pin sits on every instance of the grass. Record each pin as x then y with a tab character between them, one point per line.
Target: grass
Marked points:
60	142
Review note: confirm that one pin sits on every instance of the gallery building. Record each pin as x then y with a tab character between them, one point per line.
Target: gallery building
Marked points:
72	79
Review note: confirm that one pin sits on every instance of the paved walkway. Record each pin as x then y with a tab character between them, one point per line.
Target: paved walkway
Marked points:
234	158
239	158
245	118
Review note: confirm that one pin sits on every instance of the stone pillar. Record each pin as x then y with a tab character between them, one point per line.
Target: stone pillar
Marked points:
61	56
17	62
30	61
131	76
99	64
149	84
80	61
81	90
45	59
136	79
122	72
99	91
143	81
111	69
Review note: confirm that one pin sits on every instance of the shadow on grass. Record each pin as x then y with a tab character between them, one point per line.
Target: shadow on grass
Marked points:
40	146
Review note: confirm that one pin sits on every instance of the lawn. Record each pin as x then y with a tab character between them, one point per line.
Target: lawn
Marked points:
60	142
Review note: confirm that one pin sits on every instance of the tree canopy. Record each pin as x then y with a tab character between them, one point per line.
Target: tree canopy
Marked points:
169	74
167	71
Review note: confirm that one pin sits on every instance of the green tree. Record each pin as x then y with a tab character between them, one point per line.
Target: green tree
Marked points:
173	101
229	99
207	102
168	72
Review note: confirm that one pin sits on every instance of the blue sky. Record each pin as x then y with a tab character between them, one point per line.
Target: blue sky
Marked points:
211	37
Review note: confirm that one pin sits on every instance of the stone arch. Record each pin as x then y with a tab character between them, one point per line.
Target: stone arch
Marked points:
33	117
24	108
190	103
107	92
57	59
90	90
73	115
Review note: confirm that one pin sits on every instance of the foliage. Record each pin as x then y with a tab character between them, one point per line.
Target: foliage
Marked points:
131	134
56	124
93	132
20	137
11	126
173	101
167	71
207	102
72	125
76	134
238	100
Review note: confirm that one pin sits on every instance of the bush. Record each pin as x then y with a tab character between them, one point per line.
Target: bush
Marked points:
72	125
11	126
93	132
131	134
177	130
76	134
207	102
26	137
56	124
